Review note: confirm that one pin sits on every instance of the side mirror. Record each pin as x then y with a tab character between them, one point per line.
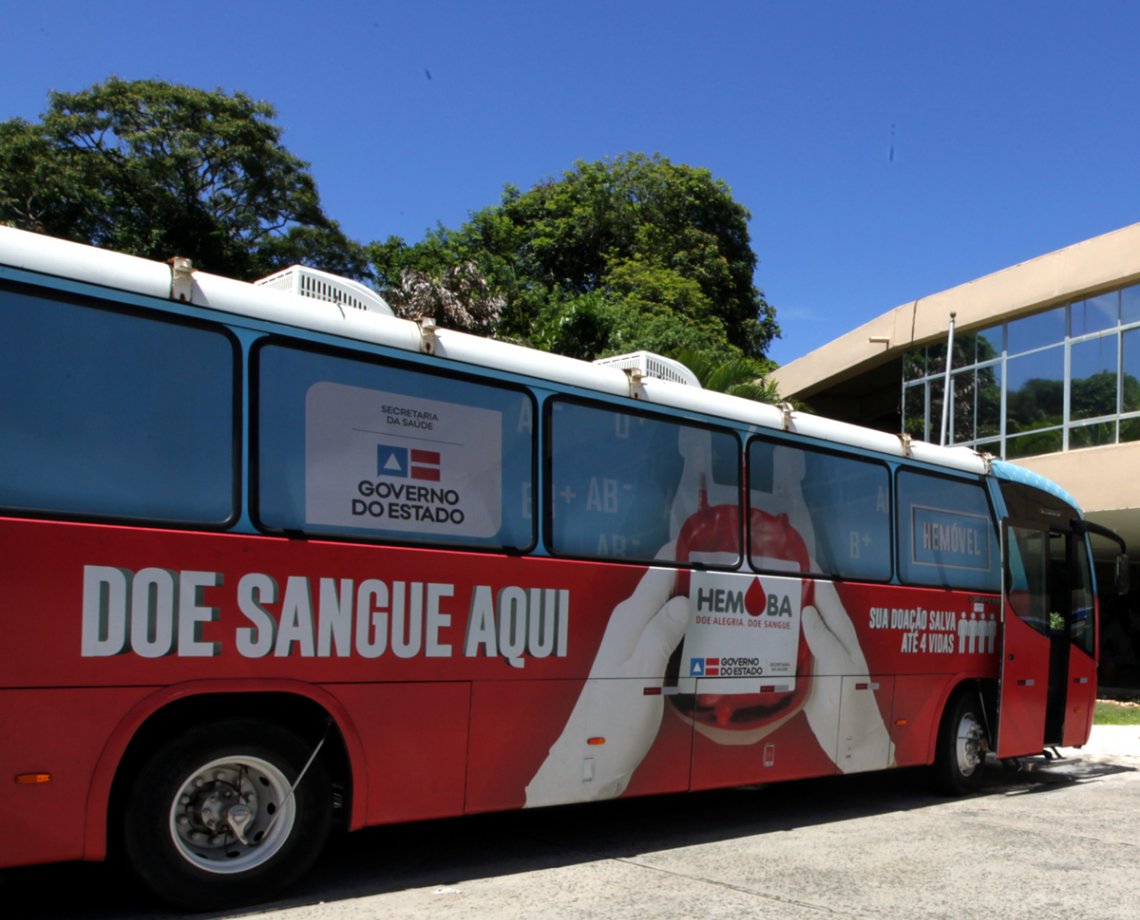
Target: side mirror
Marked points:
1122	579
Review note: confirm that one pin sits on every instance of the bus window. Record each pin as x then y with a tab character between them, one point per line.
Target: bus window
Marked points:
621	483
839	505
947	535
119	416
359	449
1029	553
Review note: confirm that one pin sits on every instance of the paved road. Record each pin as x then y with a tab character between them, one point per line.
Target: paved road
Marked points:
1056	841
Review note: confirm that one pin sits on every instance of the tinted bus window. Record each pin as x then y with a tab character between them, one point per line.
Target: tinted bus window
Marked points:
947	535
1082	619
837	506
639	487
352	448
119	416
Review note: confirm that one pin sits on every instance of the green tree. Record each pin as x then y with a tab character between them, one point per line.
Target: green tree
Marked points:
158	169
641	306
615	255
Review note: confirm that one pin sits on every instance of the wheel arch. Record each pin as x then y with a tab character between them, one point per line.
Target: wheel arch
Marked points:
302	708
964	738
977	684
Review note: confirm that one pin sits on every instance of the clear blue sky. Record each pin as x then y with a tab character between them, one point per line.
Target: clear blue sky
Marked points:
886	150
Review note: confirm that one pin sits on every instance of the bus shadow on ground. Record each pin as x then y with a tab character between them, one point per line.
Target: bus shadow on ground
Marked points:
452	851
1045	774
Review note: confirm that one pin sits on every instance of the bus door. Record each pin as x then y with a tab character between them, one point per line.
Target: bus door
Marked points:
1024	686
1048	671
1074	643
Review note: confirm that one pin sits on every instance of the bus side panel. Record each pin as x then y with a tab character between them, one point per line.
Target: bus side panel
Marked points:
518	729
789	751
919	701
865	705
668	765
513	726
414	738
61	733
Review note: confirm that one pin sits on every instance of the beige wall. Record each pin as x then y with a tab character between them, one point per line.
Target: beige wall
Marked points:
1105	481
1099	478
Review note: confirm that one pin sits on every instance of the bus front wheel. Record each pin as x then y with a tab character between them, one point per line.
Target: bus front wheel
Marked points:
961	752
217	816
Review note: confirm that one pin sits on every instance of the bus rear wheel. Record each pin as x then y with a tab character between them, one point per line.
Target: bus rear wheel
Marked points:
961	752
217	816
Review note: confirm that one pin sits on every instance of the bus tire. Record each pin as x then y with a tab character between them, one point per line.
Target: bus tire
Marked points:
961	753
210	821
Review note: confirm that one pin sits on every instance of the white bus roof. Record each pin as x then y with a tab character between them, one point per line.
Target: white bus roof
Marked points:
76	262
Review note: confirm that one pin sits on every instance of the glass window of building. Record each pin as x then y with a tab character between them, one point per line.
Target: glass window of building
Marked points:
1062	379
1035	391
1130	372
990	343
914	411
988	395
1036	331
1093	435
934	390
1129	429
1033	444
914	364
961	422
1092	378
1130	305
1094	314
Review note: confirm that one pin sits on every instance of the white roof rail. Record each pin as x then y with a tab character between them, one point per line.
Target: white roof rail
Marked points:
652	365
311	282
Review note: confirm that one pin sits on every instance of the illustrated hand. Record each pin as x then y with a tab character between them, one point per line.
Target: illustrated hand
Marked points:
846	721
641	635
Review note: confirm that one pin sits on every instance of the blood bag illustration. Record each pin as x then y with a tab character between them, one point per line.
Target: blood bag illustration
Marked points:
744	667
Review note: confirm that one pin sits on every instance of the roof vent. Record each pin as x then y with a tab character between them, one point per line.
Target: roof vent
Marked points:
648	364
309	282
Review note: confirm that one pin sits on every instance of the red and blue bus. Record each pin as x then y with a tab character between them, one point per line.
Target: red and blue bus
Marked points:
276	564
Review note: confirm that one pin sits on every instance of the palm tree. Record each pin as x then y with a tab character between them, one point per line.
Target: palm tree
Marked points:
744	377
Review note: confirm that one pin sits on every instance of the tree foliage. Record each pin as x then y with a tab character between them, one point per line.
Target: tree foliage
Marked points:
158	169
615	255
